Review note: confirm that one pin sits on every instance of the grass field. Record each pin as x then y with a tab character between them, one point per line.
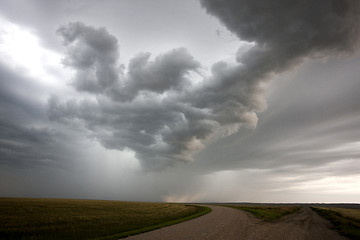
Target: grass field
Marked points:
346	221
87	219
267	213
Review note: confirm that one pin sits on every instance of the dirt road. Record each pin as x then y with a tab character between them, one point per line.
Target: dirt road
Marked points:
230	224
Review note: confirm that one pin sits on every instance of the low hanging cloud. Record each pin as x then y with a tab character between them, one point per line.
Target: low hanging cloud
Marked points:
153	107
284	34
137	109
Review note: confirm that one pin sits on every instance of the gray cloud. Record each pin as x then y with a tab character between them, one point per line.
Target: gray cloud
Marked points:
284	34
297	28
18	144
140	109
159	132
310	122
94	53
26	139
304	146
166	72
154	109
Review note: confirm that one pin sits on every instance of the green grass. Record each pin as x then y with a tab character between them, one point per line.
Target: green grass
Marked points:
267	213
351	213
345	221
87	219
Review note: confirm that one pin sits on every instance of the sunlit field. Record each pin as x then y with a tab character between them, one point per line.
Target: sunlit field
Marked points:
87	219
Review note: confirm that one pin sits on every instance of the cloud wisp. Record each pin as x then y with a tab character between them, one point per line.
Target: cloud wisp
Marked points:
153	106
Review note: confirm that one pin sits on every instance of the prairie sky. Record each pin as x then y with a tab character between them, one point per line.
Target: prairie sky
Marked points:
193	100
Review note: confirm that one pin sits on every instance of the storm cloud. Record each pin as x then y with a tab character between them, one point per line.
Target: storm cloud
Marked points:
198	100
94	53
284	35
153	107
27	140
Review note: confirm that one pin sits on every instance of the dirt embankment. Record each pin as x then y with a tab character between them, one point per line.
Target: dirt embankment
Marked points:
230	224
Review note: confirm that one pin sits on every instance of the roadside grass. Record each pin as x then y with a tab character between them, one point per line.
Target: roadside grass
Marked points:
346	221
87	219
267	213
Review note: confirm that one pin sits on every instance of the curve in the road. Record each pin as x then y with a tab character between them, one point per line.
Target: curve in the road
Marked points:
232	224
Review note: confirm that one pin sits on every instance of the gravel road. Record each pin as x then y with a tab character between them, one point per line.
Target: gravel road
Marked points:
230	224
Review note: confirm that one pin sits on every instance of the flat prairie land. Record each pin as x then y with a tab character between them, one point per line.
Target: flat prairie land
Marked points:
345	220
87	219
348	213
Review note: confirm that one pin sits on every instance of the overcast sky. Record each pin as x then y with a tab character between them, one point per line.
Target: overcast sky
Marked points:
194	100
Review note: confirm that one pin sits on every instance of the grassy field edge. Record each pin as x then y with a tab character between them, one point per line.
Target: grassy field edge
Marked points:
200	212
346	226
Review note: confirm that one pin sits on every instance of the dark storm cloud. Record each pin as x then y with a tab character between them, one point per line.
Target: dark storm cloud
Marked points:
25	146
158	131
154	109
26	140
139	108
165	107
296	28
284	34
